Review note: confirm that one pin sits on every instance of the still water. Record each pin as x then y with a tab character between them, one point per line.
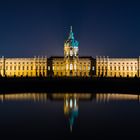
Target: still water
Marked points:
55	115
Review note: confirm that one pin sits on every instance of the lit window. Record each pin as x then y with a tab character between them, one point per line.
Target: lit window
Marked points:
67	66
71	53
48	67
67	53
93	68
89	68
71	66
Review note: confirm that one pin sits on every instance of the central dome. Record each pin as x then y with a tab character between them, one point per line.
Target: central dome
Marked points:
71	42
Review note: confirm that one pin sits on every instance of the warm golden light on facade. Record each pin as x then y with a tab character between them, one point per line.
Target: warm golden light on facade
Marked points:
71	64
117	67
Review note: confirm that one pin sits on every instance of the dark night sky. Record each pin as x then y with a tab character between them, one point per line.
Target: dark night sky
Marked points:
29	28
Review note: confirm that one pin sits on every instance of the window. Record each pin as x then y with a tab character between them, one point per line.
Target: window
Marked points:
84	67
110	68
67	54
114	68
48	67
31	67
14	67
67	66
6	67
88	67
71	53
93	68
119	68
71	66
127	68
18	67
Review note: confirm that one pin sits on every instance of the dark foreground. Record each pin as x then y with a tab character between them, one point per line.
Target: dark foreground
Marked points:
81	85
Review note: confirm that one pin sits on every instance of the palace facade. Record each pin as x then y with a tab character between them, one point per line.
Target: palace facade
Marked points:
71	64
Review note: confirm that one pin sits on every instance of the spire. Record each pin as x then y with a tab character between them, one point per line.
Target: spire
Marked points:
71	35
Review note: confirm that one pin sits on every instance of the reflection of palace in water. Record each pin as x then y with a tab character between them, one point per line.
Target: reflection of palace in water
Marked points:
71	101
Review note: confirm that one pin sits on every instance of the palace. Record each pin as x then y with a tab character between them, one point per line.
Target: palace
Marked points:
71	64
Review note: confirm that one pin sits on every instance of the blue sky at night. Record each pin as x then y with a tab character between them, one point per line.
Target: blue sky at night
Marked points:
110	28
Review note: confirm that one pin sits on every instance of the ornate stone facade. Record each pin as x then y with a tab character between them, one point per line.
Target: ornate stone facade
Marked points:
71	64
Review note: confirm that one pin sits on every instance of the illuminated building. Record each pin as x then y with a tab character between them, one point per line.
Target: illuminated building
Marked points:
71	64
31	67
117	67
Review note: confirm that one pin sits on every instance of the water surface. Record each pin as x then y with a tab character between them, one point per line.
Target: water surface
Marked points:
56	115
